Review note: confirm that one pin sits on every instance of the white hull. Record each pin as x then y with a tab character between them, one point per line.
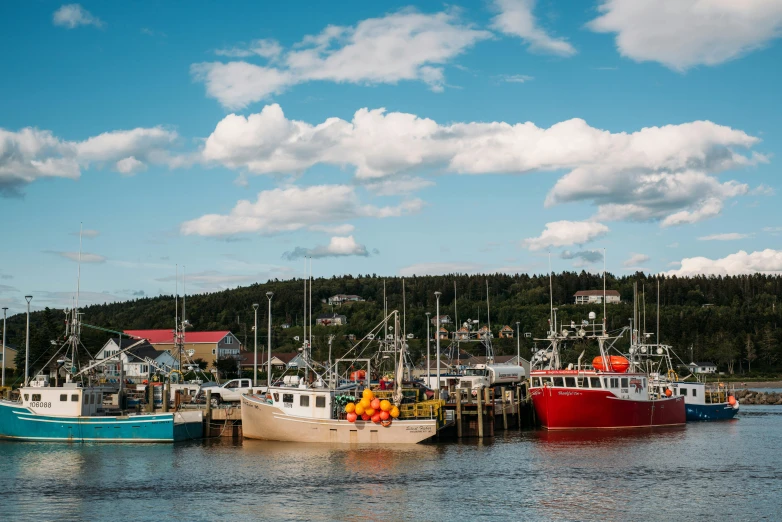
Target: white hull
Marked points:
267	422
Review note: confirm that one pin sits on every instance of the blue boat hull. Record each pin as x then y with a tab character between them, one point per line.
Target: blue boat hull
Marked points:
710	412
20	423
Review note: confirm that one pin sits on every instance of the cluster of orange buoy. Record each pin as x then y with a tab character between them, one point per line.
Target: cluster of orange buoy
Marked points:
371	408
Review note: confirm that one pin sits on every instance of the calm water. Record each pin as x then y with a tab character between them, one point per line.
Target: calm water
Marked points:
713	471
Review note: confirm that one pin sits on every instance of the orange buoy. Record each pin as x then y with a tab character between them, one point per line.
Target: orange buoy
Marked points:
365	417
352	417
668	393
350	407
385	405
376	418
358	375
384	415
369	411
732	400
394	412
359	409
365	402
375	404
368	395
616	363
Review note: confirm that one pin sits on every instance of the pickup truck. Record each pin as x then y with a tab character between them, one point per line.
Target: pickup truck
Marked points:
231	391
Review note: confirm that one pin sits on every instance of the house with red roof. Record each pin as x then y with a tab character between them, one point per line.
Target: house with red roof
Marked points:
208	346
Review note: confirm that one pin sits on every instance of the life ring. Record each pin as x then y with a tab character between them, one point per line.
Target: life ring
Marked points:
672	375
386	423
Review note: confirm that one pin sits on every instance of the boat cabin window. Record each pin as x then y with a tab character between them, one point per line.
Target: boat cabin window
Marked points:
624	382
558	382
614	382
570	382
276	397
594	382
75	397
546	381
26	397
304	400
683	391
63	397
36	396
536	382
694	392
287	397
320	402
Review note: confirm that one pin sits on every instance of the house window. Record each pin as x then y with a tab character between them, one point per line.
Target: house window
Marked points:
320	402
214	351
229	339
304	400
75	397
64	397
36	397
570	382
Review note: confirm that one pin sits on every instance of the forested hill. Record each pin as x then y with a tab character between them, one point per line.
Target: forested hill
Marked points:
733	321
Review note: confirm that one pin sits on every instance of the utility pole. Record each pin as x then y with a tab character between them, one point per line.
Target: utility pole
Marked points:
269	296
5	312
518	344
428	366
27	298
255	354
437	333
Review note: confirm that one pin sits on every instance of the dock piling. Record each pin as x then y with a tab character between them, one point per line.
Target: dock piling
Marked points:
504	410
480	414
458	413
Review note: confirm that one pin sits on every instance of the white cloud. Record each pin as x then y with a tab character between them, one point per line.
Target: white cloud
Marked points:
635	260
763	190
399	186
515	18
31	154
645	175
86	257
767	262
269	49
684	33
339	230
293	208
130	166
731	236
422	269
74	15
516	78
406	45
566	233
337	247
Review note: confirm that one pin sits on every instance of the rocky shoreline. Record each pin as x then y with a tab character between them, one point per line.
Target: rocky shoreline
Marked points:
759	398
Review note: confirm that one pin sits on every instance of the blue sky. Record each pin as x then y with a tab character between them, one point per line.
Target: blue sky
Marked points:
393	139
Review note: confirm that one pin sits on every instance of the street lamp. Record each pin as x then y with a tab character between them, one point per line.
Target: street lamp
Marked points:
428	366
437	333
27	298
255	354
5	310
269	296
518	344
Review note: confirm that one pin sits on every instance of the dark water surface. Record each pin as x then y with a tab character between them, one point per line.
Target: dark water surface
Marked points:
707	471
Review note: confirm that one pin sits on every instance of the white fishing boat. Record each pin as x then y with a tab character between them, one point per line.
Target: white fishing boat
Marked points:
314	411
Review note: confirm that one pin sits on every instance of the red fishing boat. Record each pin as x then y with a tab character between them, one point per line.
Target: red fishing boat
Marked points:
603	395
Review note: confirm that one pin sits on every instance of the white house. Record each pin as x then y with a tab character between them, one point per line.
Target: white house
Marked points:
596	296
339	299
331	320
137	363
444	319
702	367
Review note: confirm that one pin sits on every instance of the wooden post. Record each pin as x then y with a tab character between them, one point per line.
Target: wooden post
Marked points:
518	407
480	414
208	416
504	411
177	399
150	398
166	391
490	412
458	413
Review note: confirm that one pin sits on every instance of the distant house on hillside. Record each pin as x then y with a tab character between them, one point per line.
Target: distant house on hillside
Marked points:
10	357
137	363
209	346
331	320
444	319
339	299
506	332
701	367
596	296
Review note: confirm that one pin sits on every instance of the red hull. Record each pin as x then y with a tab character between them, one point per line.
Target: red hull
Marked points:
572	409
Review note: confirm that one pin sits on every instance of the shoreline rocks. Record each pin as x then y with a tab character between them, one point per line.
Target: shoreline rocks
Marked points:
759	398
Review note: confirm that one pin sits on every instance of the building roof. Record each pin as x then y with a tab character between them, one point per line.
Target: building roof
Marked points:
506	327
498	359
167	336
141	351
248	358
702	363
330	316
599	293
